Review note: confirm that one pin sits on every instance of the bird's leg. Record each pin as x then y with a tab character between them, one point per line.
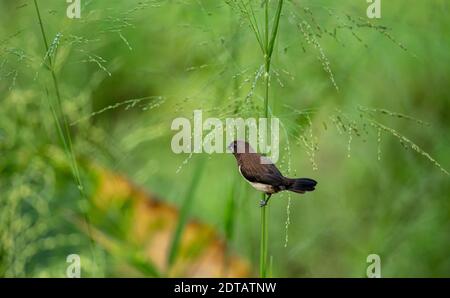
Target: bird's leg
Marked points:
267	200
264	202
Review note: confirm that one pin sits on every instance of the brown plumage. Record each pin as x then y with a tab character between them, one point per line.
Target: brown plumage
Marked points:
263	175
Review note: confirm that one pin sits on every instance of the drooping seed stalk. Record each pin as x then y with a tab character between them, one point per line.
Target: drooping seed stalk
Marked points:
62	126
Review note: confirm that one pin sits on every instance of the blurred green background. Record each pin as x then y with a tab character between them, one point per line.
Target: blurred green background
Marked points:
126	70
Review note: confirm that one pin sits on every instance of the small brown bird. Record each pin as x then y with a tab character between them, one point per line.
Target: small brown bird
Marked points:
263	175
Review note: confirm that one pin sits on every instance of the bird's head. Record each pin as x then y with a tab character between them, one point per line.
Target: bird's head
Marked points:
238	147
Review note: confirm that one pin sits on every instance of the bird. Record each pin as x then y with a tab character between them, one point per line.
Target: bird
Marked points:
263	175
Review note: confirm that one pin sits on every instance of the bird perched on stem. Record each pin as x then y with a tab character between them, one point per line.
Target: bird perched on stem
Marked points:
263	175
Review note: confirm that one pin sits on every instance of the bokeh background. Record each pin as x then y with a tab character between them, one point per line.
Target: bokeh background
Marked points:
365	110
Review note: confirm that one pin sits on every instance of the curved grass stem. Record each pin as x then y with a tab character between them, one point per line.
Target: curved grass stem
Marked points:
62	127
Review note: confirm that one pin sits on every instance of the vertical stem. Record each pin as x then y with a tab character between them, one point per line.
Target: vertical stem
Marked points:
266	25
264	219
263	247
268	50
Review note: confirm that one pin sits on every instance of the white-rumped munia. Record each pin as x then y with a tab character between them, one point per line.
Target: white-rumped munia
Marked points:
263	175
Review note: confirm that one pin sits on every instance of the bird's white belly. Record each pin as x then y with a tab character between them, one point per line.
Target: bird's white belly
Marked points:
259	186
262	187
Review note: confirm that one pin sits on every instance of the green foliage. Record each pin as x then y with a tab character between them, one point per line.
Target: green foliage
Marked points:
349	92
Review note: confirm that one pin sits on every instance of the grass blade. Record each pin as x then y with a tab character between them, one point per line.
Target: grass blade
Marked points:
185	209
230	216
275	28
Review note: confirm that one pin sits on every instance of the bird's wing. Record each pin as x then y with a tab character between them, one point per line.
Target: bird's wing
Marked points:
255	171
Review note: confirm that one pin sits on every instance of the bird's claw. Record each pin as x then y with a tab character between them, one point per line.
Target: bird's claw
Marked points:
262	203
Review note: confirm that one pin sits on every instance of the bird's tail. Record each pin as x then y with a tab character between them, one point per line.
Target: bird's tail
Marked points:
301	185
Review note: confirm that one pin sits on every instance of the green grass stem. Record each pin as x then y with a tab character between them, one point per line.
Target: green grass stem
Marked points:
184	213
62	125
268	51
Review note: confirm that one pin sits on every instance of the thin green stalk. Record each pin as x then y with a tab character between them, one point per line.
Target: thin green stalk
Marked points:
263	244
266	24
184	213
252	20
63	128
275	28
229	224
270	274
263	231
268	51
